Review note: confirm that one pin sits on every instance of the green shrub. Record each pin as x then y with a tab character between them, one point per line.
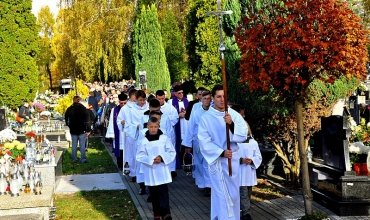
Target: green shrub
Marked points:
315	216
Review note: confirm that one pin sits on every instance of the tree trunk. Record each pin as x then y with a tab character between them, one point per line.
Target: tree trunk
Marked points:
48	71
306	189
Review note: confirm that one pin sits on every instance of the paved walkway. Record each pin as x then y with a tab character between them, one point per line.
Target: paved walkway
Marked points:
186	200
88	182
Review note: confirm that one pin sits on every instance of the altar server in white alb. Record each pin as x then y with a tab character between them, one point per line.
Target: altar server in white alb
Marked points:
250	160
165	126
156	153
172	114
121	121
225	200
200	173
132	127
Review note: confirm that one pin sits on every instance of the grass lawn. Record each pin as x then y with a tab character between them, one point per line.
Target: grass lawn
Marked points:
96	204
99	160
265	191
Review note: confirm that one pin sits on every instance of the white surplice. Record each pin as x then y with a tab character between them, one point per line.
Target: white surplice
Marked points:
200	172
165	127
183	121
172	114
128	141
110	132
132	121
248	175
156	174
225	199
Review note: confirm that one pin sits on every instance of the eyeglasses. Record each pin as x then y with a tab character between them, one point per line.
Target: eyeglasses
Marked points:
122	103
180	93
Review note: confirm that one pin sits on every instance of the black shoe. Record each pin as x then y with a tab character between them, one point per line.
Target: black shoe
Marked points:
173	174
142	192
133	179
207	192
167	217
149	199
246	217
85	162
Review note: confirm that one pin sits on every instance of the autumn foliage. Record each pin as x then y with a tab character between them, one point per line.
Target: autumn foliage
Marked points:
299	41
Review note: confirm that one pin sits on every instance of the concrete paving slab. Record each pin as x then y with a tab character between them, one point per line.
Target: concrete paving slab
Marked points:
88	182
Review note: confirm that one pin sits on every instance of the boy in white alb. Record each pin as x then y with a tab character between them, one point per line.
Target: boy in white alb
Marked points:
156	153
250	160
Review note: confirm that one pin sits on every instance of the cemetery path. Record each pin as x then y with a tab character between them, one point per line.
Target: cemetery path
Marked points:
187	201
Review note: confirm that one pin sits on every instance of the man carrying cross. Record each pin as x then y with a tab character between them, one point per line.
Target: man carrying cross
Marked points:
225	201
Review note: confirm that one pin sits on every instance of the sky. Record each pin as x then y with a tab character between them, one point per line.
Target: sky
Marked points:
37	4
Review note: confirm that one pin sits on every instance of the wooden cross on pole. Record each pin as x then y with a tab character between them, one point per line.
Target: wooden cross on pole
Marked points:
221	48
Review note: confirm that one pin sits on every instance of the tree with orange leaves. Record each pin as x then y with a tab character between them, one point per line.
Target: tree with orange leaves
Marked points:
298	42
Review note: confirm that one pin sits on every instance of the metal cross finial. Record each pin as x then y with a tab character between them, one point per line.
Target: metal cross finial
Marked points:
219	14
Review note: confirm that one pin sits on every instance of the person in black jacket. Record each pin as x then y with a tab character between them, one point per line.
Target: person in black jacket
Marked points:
78	120
191	103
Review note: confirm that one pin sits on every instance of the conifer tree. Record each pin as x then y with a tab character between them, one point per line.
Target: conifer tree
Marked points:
18	45
173	47
148	50
205	62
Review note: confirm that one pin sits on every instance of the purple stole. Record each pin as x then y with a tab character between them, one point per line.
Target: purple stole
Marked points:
116	131
175	103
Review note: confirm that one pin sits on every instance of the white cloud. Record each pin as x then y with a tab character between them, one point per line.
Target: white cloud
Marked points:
37	4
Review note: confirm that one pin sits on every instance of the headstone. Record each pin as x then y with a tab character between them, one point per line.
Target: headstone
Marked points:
2	119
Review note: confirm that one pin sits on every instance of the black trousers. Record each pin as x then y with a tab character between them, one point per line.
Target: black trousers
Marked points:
120	160
160	200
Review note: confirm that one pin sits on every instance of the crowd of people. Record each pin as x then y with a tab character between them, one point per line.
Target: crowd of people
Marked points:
152	135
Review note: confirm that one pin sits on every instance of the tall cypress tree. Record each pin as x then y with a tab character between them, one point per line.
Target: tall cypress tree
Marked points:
148	50
18	45
173	46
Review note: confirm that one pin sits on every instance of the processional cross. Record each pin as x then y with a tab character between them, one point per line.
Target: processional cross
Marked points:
219	13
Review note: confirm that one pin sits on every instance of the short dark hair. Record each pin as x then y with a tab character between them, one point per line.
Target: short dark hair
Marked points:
215	89
155	113
150	97
201	89
206	92
237	108
75	99
154	103
131	92
153	120
159	93
122	97
140	93
177	88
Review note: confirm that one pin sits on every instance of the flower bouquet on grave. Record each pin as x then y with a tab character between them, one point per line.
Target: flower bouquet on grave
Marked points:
29	135
7	135
45	114
38	107
17	150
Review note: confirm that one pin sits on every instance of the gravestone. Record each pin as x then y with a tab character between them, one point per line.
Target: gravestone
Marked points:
333	184
2	119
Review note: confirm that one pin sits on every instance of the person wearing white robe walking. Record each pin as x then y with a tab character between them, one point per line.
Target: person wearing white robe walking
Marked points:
190	141
250	160
121	121
156	153
225	200
132	126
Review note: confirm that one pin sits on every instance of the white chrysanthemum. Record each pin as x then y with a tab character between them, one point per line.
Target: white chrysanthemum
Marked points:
7	135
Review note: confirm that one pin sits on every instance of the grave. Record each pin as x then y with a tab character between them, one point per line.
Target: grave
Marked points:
333	183
31	206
